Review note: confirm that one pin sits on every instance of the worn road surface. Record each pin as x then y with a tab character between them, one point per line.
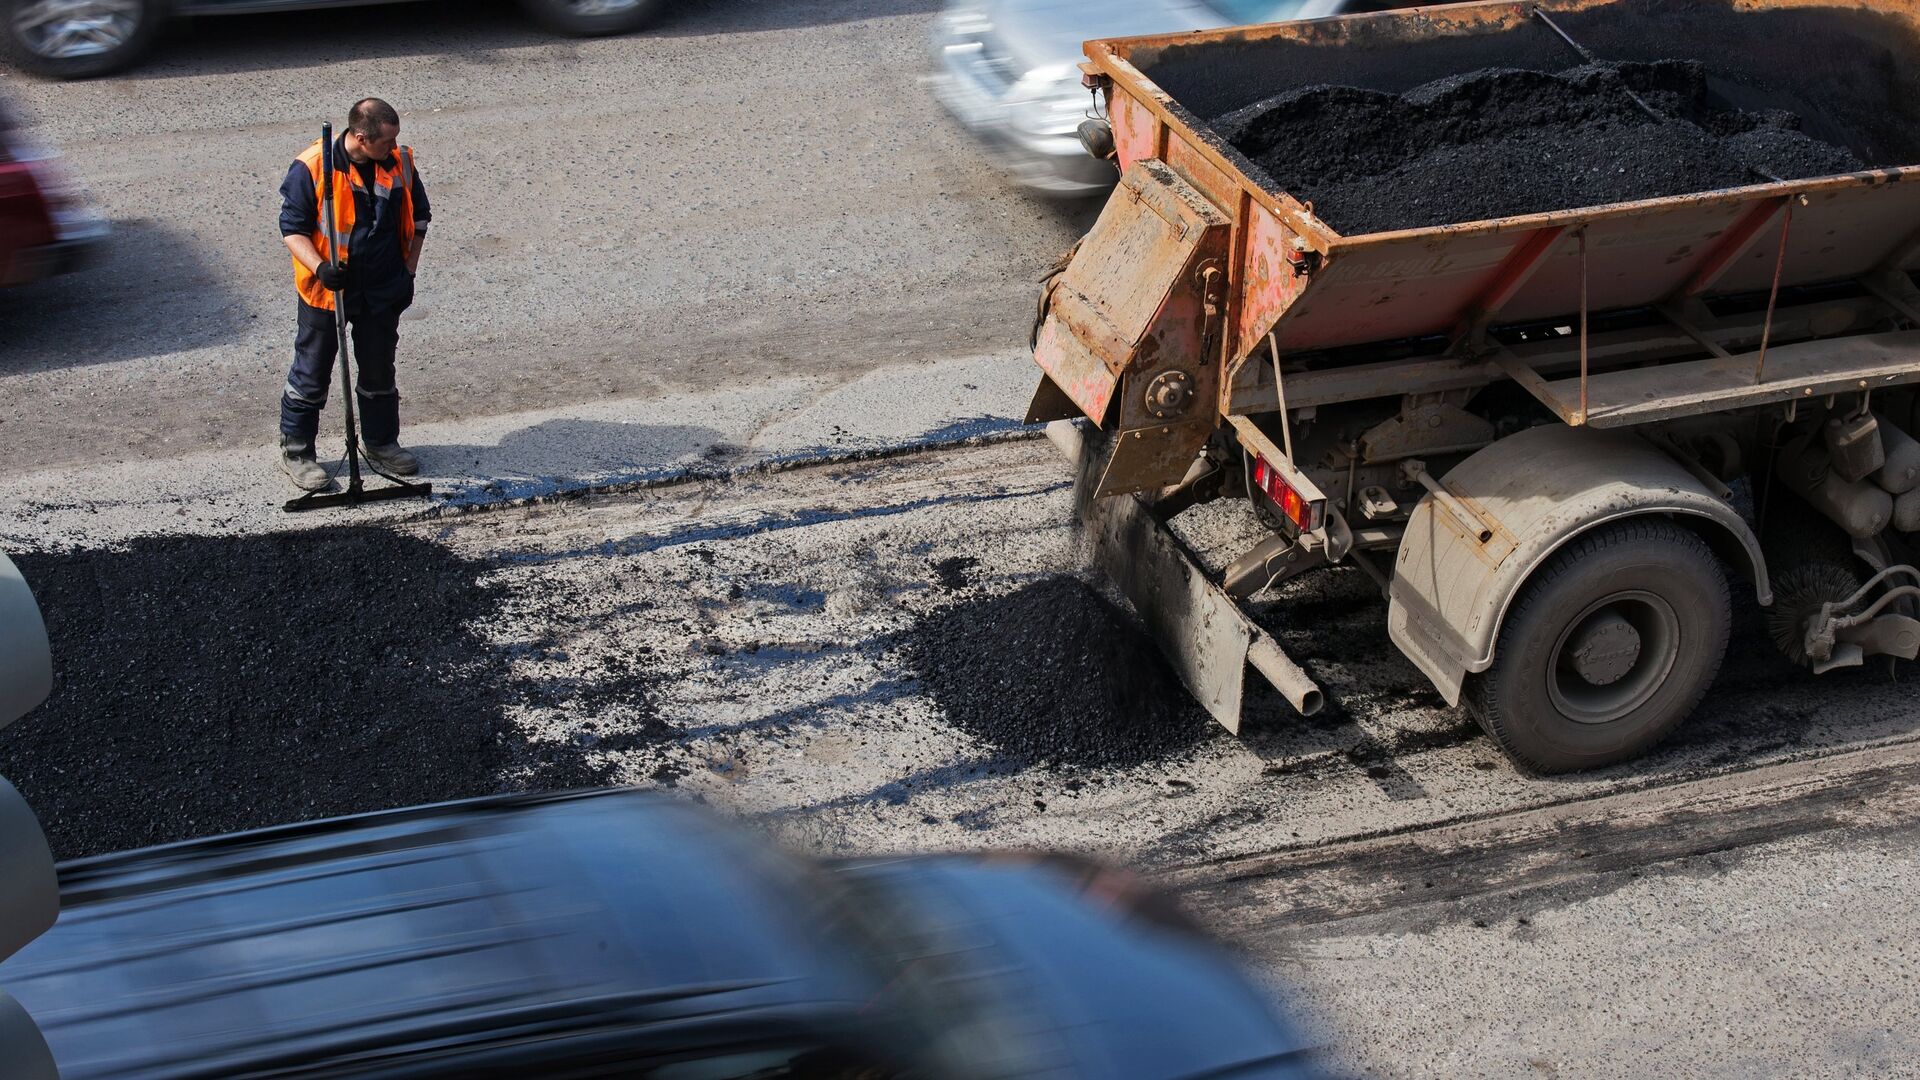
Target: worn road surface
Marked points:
743	639
760	190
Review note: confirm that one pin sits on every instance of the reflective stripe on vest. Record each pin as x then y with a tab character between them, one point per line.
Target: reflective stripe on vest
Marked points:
386	179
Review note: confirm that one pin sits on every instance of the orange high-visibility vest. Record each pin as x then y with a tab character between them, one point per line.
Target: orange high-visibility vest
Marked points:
390	182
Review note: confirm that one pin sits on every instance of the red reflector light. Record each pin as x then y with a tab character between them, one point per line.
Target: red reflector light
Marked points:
1309	516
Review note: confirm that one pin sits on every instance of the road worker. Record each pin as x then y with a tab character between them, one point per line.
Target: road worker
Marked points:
381	212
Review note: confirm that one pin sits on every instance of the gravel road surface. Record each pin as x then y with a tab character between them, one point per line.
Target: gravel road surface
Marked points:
1753	923
760	190
759	642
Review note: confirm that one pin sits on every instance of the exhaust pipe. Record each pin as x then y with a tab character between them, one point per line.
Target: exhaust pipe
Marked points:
1289	678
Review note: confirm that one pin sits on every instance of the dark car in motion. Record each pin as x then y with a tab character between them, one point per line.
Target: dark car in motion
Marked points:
615	933
72	39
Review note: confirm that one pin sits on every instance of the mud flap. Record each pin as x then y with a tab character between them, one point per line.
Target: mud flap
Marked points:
1148	459
1203	633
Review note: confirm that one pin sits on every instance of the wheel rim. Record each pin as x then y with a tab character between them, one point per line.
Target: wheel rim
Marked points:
1614	657
74	29
591	8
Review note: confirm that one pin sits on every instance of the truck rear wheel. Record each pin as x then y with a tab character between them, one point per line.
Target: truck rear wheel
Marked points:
1607	648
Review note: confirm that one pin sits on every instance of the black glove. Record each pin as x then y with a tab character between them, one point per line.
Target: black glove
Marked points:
331	276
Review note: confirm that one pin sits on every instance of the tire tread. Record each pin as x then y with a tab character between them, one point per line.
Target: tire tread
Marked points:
1482	694
153	14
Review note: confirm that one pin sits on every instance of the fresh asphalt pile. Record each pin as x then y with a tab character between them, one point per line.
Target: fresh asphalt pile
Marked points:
1503	142
208	684
1054	674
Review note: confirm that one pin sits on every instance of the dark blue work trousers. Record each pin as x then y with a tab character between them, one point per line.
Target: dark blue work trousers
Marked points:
376	334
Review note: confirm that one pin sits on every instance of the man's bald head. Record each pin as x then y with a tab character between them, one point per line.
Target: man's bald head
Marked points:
373	130
370	117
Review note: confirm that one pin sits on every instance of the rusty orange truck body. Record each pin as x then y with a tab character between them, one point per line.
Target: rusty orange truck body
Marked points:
1483	415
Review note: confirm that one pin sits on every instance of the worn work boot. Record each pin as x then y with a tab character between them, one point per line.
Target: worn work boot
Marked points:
296	457
393	458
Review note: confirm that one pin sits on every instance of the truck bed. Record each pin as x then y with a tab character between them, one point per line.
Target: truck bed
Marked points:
1851	71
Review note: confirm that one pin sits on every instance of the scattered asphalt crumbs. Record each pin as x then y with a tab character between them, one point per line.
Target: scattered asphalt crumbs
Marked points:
1501	142
1054	674
955	573
209	684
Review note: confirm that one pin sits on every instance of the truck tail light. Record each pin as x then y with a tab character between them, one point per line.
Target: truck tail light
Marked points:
1309	515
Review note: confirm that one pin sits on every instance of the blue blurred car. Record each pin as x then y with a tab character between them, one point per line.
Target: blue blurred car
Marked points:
618	934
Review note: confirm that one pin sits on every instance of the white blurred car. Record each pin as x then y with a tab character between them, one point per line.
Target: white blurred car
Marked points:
1009	70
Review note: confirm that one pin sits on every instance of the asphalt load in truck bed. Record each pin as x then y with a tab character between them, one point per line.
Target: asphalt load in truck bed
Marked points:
211	684
1502	142
1054	674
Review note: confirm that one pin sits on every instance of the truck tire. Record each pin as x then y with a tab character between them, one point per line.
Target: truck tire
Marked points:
593	18
1607	648
78	41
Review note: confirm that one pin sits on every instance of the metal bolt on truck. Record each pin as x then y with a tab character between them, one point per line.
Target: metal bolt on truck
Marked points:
1557	440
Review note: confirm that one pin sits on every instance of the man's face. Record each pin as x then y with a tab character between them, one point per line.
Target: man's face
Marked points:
379	149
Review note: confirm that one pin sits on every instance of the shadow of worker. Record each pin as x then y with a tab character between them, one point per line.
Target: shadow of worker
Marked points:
567	453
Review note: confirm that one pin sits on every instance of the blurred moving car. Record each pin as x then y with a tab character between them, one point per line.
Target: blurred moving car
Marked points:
615	933
47	226
29	889
71	39
1009	70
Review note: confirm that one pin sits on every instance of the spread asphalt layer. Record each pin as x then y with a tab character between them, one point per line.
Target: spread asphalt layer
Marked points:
210	684
1499	143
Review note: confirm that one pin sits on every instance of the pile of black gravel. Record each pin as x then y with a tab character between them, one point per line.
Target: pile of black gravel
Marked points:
955	573
1054	674
1502	142
208	684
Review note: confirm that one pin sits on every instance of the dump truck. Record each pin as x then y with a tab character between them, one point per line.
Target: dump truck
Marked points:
1557	440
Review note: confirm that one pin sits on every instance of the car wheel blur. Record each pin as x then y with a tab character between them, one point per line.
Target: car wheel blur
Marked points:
77	39
594	18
